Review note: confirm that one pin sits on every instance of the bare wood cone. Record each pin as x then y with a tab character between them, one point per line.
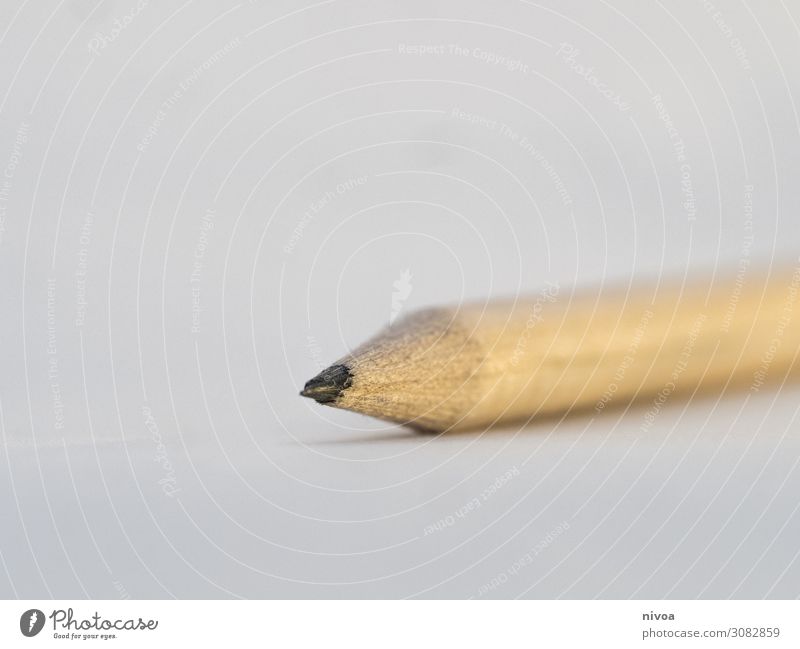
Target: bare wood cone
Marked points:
480	365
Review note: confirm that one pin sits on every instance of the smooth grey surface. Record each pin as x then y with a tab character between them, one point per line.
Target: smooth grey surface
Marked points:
203	205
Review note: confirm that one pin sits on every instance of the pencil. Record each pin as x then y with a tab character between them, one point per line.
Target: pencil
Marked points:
486	364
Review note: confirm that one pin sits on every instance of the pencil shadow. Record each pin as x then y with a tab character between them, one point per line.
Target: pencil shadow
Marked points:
400	435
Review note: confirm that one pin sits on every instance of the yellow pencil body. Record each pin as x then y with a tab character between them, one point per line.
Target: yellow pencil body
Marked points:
481	365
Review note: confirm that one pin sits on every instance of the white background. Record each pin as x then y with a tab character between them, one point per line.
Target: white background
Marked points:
153	441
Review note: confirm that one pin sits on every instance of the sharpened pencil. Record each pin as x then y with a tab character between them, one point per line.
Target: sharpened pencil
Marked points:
485	364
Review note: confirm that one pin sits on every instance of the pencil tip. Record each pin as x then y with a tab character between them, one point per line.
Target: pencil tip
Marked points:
326	386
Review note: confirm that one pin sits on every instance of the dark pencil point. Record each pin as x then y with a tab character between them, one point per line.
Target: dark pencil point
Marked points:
326	386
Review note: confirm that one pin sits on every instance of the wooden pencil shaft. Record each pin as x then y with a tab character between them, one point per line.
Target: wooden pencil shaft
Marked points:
480	365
